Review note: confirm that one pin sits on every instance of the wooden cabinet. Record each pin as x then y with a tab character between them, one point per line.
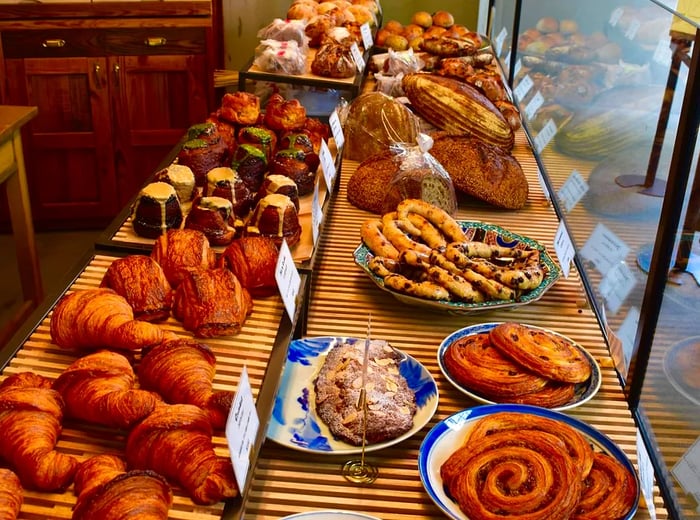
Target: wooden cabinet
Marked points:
112	103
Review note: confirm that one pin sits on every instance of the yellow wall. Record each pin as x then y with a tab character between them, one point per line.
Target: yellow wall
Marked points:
464	11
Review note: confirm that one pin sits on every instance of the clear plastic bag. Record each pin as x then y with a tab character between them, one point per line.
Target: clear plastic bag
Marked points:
280	57
286	30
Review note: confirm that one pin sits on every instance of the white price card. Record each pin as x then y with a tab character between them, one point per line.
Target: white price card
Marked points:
564	249
616	285
604	249
646	475
543	185
316	214
615	16
542	139
498	42
627	334
336	130
663	53
523	87
572	191
357	56
534	105
632	29
288	279
327	165
518	68
241	428
366	33
506	60
687	470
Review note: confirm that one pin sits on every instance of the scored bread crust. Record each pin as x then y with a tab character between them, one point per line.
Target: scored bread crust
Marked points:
369	183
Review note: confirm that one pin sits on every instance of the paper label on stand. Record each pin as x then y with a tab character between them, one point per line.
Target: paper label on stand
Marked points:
357	56
336	130
316	214
616	285
663	53
541	140
288	280
241	428
646	475
604	249
534	105
632	29
498	42
572	191
366	33
564	248
327	165
687	470
523	87
543	185
518	67
615	16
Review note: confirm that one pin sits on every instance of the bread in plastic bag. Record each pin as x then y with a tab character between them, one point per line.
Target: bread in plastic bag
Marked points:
375	121
334	60
286	30
280	57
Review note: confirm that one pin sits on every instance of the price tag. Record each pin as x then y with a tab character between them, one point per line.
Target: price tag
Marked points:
518	67
615	16
627	333
663	53
573	189
327	164
616	285
316	214
632	29
366	33
506	60
241	428
564	248
604	249
646	475
534	105
687	470
498	43
288	279
523	87
541	140
357	56
336	130
543	185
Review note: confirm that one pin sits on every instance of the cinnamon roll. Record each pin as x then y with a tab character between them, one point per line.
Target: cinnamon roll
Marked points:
597	501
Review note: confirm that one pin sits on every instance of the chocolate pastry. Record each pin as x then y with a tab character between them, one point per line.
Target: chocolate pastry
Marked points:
251	164
276	217
203	151
262	137
213	216
292	163
156	210
280	184
225	183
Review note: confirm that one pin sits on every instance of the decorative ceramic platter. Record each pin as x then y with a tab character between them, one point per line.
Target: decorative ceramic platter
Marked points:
294	422
583	392
448	435
329	515
478	232
681	364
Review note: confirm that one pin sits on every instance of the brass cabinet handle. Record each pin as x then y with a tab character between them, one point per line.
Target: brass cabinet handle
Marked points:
116	69
98	75
54	43
155	41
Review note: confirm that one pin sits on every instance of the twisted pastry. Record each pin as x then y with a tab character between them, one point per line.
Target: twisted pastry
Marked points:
609	491
30	424
435	215
107	491
175	441
11	495
180	251
100	318
182	371
99	388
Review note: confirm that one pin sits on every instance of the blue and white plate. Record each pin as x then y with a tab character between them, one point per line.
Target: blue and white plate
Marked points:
294	422
583	391
448	435
479	232
330	514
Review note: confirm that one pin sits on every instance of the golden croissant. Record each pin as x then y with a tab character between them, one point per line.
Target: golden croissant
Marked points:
176	441
107	491
11	495
100	318
180	251
99	388
30	424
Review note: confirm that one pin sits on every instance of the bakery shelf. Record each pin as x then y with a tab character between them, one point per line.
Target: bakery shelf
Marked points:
260	346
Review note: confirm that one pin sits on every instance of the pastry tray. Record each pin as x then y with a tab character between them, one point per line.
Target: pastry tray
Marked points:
260	347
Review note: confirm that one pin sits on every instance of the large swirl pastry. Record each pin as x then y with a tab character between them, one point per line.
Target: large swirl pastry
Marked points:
546	354
596	500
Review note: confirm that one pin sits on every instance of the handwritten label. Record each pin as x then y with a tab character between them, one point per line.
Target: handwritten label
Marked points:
564	248
632	29
604	249
534	105
616	285
518	67
627	334
663	53
357	56
366	33
241	428
327	165
543	185
523	87
506	60
498	43
542	139
316	214
646	475
572	191
336	130
615	16
687	470
288	279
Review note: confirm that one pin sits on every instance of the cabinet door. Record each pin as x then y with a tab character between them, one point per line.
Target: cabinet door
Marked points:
157	98
68	147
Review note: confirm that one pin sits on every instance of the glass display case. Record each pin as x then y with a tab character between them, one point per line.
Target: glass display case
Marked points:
609	93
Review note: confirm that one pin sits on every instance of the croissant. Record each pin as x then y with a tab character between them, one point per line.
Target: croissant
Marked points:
107	491
99	388
30	423
212	302
175	441
182	250
253	260
182	371
100	318
142	282
11	495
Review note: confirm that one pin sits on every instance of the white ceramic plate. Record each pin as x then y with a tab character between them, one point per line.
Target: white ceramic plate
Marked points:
330	515
679	371
448	435
583	393
477	231
294	422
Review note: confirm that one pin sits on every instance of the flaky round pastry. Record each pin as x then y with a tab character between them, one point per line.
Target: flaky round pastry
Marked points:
597	501
544	353
553	395
284	115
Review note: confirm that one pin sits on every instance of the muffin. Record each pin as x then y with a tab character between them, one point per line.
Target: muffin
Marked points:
203	151
280	184
276	217
251	164
224	182
292	163
179	177
213	216
157	209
